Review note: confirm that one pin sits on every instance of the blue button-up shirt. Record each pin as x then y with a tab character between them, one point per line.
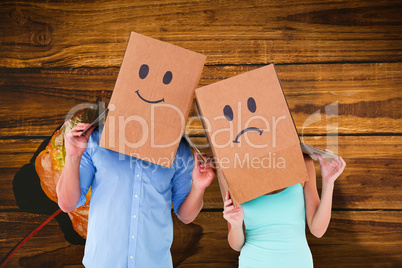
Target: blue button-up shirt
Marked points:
130	222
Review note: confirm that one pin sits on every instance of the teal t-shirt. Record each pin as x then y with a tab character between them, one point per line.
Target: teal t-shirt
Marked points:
276	231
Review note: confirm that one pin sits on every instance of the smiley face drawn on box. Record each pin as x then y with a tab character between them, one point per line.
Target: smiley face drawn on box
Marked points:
143	73
251	133
151	99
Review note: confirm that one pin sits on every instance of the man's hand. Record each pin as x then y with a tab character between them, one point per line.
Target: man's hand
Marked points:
202	174
68	187
74	143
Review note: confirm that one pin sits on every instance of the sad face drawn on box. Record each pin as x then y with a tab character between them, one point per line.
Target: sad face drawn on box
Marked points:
241	117
252	107
251	133
151	99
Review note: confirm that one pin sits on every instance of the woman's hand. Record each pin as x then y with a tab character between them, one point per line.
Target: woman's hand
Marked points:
330	171
233	215
74	143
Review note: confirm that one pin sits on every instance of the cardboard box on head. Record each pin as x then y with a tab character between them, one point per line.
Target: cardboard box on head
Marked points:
151	99
252	135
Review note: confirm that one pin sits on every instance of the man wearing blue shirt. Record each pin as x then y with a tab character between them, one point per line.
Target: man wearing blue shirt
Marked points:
130	222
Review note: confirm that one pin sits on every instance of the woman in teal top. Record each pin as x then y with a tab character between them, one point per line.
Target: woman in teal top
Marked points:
275	223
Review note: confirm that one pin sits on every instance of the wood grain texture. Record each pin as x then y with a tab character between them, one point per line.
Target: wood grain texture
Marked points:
48	248
354	239
55	55
7	198
17	152
95	34
359	239
366	97
371	180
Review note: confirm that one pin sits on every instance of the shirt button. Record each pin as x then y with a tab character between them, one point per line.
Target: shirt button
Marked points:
138	175
131	257
135	196
134	216
132	236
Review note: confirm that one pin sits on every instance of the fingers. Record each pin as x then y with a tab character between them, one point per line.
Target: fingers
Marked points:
206	168
81	126
343	162
89	131
339	162
232	214
232	209
77	130
227	201
334	163
209	163
319	157
203	161
227	195
228	214
196	161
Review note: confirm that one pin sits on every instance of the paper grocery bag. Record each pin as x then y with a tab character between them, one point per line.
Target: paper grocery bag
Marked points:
151	99
252	135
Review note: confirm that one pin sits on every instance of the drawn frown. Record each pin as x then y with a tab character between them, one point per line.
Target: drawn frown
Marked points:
143	73
252	107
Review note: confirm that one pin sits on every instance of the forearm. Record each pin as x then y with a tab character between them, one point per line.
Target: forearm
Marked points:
192	205
322	216
68	188
236	237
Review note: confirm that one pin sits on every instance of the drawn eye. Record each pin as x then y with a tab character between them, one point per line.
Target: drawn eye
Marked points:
144	70
228	112
167	78
251	105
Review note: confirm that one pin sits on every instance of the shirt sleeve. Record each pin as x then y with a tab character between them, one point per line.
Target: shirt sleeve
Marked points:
87	172
182	179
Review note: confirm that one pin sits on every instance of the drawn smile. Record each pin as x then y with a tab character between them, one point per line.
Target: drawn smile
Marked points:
138	93
247	130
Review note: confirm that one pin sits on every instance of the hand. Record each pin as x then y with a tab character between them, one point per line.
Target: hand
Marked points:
330	171
202	174
75	144
233	215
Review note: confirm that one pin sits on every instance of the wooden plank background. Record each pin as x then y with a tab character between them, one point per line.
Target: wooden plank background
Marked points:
348	54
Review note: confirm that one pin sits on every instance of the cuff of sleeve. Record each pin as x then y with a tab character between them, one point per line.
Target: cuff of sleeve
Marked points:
81	201
179	198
